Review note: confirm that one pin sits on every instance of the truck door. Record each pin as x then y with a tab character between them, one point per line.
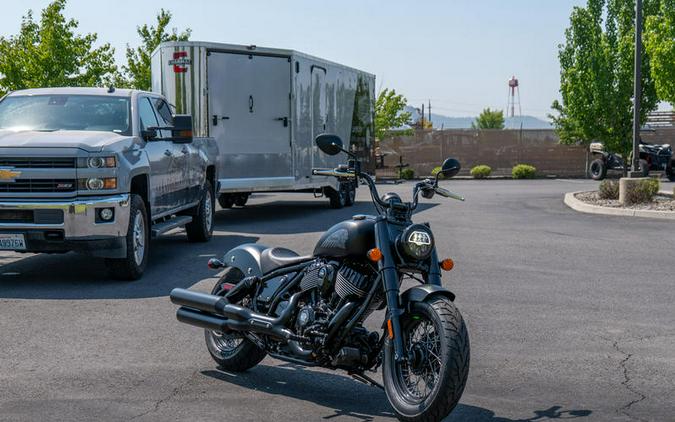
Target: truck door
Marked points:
249	107
318	109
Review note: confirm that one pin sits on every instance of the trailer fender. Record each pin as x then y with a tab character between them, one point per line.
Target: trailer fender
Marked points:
246	258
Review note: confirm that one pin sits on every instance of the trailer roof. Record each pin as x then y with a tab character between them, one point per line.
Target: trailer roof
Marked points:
253	49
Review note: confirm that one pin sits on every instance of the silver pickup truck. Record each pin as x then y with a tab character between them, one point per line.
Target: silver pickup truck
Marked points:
101	171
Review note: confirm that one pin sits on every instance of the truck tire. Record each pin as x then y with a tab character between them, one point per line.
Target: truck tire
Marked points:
241	199
225	200
133	265
201	227
598	169
338	199
351	193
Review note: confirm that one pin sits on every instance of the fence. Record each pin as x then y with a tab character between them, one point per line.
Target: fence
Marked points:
499	149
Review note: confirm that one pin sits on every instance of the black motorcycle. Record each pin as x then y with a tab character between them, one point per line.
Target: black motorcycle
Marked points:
309	310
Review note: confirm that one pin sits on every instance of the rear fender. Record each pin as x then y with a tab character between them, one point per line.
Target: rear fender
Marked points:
422	292
246	258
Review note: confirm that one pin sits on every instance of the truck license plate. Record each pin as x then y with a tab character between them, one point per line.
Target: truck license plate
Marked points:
12	242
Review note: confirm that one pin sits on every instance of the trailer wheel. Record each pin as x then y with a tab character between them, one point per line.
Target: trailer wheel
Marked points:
338	199
225	200
350	189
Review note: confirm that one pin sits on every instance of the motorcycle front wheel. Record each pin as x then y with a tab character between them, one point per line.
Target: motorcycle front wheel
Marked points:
429	383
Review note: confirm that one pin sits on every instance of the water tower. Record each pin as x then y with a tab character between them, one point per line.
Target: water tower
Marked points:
514	98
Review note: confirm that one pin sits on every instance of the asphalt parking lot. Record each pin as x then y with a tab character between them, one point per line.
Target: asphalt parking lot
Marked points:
571	316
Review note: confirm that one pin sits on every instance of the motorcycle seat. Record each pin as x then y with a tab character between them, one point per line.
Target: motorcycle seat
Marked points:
273	258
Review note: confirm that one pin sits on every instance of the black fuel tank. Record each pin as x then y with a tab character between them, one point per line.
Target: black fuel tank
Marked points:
351	238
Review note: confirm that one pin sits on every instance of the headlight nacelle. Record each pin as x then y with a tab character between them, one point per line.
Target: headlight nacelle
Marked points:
416	242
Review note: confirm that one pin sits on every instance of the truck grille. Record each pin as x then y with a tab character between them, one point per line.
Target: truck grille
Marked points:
39	186
39	162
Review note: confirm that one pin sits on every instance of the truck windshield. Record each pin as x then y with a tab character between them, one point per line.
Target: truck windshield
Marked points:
66	112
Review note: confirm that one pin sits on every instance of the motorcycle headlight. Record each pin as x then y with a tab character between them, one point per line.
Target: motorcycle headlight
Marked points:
416	242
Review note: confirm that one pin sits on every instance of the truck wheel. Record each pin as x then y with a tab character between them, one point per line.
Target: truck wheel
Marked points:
644	168
598	169
241	199
132	266
225	200
338	199
350	193
201	227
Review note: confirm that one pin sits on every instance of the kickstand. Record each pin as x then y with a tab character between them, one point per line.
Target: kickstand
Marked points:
360	376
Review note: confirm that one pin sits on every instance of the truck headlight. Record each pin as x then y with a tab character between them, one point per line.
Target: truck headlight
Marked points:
98	162
98	183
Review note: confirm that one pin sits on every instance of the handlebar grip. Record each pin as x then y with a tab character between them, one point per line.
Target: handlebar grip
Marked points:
444	192
333	173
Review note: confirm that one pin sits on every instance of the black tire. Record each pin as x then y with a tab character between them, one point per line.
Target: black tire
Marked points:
598	169
670	173
133	265
644	168
201	227
241	199
225	200
338	199
453	363
245	355
350	191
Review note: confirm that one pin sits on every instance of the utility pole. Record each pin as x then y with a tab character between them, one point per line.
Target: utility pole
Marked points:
430	113
422	118
637	92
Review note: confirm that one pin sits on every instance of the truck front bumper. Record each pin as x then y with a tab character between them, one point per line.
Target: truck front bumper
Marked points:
74	225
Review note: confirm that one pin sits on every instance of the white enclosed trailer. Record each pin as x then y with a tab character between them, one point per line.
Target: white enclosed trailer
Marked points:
264	107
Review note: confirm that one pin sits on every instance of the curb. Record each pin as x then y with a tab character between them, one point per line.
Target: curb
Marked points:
577	205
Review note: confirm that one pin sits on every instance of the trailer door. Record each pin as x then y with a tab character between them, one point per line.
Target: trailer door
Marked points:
249	108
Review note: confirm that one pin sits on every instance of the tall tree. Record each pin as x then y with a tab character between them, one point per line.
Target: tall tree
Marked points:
596	75
660	45
137	70
389	112
489	119
49	53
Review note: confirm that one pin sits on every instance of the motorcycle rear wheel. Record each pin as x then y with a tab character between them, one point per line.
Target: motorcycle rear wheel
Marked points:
428	386
232	351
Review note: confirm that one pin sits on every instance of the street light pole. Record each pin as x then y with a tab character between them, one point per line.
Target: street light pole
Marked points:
637	93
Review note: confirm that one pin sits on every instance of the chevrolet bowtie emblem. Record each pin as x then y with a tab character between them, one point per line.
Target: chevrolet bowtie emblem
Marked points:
8	175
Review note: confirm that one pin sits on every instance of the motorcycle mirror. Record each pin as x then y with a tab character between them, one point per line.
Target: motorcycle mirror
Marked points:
329	144
450	168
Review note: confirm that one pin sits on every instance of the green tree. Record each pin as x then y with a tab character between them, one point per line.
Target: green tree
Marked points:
137	69
389	112
489	119
660	45
49	53
596	75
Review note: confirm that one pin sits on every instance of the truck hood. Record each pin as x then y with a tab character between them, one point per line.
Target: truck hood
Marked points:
87	140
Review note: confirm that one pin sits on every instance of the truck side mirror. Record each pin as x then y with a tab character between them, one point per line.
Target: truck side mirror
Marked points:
149	134
181	132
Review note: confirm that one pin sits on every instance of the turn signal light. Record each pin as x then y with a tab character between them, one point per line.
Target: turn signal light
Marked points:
447	264
390	329
374	254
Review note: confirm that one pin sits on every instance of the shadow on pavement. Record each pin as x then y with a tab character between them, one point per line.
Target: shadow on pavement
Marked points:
173	263
347	397
289	217
478	414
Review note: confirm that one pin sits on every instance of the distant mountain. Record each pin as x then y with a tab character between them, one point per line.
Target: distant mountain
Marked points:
440	121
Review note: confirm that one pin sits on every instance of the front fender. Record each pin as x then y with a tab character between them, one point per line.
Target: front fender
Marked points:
246	258
422	292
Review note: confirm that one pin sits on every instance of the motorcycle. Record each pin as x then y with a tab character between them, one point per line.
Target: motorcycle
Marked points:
309	310
652	157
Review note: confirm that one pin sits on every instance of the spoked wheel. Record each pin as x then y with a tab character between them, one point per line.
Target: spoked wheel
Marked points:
428	384
231	350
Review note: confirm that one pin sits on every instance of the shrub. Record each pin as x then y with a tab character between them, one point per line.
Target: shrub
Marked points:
523	171
407	173
642	191
435	171
481	172
609	189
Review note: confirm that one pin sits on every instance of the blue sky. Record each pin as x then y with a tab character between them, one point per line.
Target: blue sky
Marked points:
458	53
